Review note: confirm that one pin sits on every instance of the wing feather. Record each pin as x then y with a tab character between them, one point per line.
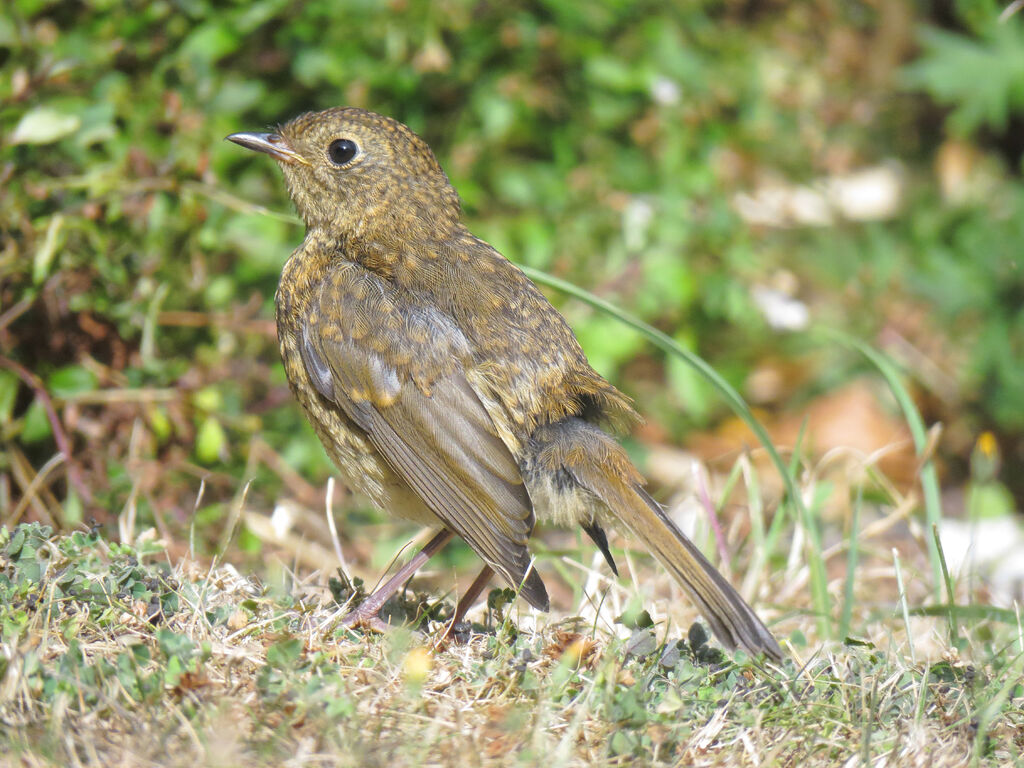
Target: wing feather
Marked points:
433	430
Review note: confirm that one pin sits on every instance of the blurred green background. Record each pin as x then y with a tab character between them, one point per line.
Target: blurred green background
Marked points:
737	174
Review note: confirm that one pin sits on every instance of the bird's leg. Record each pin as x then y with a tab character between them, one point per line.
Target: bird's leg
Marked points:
466	602
366	614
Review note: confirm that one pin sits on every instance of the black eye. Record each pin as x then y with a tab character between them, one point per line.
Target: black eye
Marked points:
341	151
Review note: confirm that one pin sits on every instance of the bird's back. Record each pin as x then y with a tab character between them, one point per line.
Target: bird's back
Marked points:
525	357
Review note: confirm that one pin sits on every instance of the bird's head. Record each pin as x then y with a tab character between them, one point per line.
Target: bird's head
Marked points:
357	172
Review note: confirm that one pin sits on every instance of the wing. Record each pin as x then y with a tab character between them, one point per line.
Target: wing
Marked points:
396	370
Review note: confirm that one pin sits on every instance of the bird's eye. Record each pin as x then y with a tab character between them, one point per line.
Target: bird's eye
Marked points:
341	151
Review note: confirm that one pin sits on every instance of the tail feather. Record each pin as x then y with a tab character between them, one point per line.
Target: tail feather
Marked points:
733	621
532	590
737	623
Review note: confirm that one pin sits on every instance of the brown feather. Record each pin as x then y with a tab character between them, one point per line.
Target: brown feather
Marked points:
441	381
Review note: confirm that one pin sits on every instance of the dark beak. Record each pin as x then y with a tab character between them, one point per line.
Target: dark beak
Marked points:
271	143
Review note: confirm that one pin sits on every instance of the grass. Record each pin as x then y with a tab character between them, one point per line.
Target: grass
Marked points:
121	655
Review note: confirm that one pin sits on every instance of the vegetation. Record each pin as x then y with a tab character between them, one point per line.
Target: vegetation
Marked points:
149	664
823	200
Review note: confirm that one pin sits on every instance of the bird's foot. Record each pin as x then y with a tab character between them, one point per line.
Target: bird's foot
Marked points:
365	620
454	632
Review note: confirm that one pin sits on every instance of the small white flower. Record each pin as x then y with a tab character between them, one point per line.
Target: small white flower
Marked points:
784	313
665	91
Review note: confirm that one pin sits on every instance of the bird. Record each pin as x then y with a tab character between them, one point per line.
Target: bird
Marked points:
443	384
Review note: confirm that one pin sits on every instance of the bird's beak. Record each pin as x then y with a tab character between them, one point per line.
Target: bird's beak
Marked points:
271	143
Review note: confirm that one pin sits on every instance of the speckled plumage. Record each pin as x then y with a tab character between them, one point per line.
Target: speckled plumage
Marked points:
442	383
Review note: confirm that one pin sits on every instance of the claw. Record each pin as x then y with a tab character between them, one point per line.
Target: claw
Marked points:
362	620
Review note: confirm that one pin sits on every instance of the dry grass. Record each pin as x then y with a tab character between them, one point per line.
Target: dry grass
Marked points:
114	655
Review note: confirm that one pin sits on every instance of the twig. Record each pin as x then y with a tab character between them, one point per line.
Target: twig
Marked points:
1009	10
28	493
329	511
42	501
235	516
123	395
190	319
59	435
298	485
236	203
15	312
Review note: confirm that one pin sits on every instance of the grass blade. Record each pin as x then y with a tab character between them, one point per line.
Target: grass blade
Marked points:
929	477
954	631
853	551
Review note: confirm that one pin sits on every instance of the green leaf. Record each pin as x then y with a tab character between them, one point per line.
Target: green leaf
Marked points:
211	441
982	79
16	543
340	707
47	250
8	394
208	399
35	426
210	42
160	424
284	654
175	669
988	501
607	343
44	125
641	643
140	652
8	31
73	509
71	380
173	644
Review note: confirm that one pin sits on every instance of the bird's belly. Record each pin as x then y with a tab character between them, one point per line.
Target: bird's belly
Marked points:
361	467
363	470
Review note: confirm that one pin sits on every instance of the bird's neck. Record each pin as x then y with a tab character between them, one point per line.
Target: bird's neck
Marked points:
303	273
406	248
417	258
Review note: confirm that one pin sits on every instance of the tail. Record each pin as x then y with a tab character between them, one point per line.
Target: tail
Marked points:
733	621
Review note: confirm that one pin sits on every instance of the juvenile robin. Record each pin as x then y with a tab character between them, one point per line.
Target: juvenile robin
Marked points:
442	383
